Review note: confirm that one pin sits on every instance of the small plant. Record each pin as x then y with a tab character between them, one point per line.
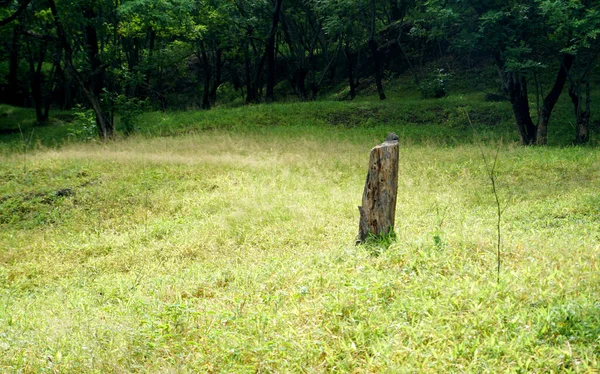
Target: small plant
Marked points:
438	242
128	109
490	168
25	143
377	244
84	127
440	216
434	84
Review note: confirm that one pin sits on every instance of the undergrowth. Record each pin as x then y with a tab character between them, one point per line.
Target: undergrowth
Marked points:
417	121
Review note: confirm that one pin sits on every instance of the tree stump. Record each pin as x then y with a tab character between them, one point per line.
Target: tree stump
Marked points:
378	208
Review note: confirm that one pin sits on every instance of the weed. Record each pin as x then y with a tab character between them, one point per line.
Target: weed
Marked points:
84	128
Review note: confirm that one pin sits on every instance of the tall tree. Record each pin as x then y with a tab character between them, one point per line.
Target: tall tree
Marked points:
302	36
41	50
84	22
586	45
270	51
343	21
21	6
373	47
522	37
253	30
156	39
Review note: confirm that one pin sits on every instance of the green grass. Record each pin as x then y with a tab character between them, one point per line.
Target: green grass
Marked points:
19	129
227	245
222	241
417	121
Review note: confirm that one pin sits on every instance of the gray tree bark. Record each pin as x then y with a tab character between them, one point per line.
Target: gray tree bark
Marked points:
378	210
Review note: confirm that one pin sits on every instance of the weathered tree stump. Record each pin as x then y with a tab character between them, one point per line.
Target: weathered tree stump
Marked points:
378	208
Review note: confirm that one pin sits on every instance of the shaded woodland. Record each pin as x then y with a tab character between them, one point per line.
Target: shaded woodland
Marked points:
120	57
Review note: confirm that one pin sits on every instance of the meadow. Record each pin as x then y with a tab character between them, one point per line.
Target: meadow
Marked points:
223	241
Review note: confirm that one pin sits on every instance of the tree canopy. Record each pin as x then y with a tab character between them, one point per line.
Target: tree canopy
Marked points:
115	55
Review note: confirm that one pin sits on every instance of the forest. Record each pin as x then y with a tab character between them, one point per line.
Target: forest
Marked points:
179	184
118	58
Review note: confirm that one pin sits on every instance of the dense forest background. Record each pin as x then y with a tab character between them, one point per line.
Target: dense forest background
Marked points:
121	57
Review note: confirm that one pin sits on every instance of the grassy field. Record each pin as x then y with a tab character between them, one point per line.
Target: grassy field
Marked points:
224	242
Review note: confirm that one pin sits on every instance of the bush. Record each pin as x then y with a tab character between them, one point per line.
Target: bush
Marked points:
84	126
128	109
434	84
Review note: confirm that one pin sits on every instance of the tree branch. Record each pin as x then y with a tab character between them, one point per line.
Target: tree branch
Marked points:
35	35
16	14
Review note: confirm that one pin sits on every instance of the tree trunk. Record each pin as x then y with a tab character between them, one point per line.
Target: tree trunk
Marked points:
207	75
92	89
585	137
253	73
516	85
372	44
13	96
250	92
270	51
130	46
350	71
378	210
105	125
47	102
151	43
258	76
63	93
582	116
217	80
377	63
36	95
395	12
551	99
37	81
206	91
300	83
22	6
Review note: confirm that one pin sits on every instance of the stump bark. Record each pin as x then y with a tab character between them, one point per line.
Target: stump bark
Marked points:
378	210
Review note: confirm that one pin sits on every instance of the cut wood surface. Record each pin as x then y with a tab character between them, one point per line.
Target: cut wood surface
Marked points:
378	210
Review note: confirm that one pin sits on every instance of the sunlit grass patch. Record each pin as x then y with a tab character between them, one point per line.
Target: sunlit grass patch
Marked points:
233	251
